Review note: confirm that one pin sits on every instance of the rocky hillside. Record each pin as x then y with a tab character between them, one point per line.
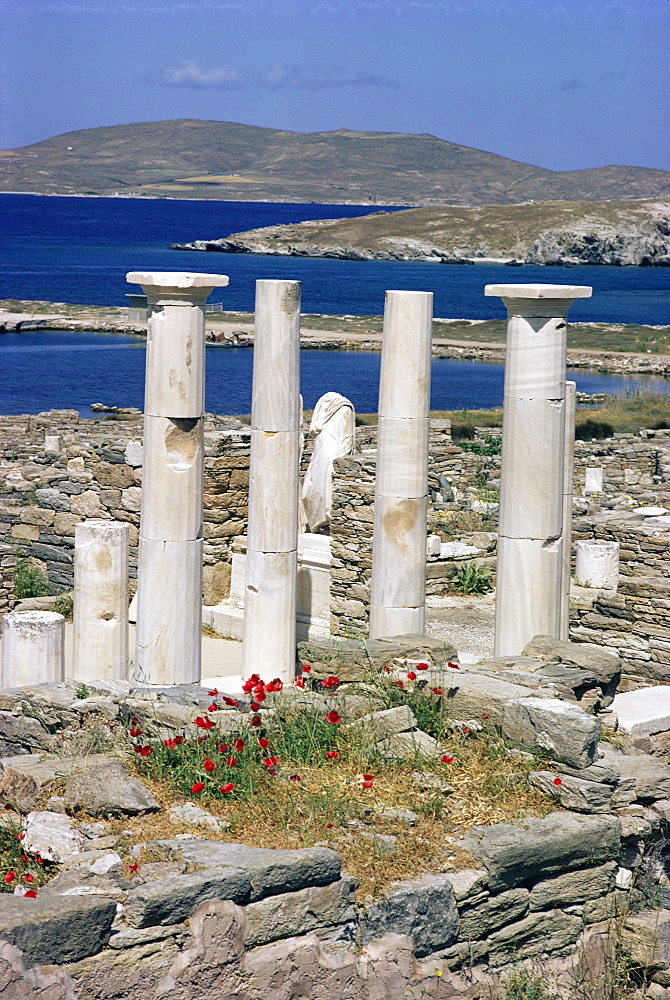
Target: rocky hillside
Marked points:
223	160
564	232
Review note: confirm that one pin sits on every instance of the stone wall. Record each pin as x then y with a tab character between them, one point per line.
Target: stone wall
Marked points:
630	462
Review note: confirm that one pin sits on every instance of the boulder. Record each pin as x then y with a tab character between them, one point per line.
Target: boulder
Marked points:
573	793
53	835
532	849
646	940
475	696
293	913
536	934
108	791
605	666
270	871
574	887
565	730
424	909
479	921
651	776
57	929
172	900
188	812
385	723
25	781
19	734
407	746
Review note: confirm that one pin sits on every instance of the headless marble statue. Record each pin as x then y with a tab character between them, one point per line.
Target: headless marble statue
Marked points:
334	430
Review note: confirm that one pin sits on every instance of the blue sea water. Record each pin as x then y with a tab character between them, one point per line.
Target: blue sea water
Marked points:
48	369
79	250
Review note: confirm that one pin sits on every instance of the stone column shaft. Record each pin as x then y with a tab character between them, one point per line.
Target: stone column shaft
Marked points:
568	474
398	583
33	649
529	591
274	484
169	592
100	600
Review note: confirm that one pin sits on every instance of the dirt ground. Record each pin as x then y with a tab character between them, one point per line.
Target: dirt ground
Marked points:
467	622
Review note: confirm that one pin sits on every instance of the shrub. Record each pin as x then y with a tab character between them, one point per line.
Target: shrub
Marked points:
586	430
29	580
473	579
65	606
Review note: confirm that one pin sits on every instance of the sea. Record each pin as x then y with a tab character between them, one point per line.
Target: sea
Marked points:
78	250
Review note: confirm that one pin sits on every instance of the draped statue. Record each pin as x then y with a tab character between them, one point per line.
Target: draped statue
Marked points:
334	429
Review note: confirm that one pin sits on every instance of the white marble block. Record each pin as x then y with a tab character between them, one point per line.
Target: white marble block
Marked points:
398	580
269	640
597	564
100	601
593	480
169	612
52	444
568	474
169	586
530	574
32	648
172	479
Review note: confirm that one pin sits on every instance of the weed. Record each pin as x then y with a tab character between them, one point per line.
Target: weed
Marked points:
524	984
587	430
82	692
210	632
491	446
472	579
29	580
65	606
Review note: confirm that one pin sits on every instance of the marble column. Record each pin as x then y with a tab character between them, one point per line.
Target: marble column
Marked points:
32	649
568	476
272	536
597	564
100	600
169	592
529	591
398	583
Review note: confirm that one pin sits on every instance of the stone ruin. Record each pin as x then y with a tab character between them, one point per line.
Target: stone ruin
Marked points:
253	922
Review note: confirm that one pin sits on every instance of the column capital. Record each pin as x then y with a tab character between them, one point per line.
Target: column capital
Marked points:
178	285
537	298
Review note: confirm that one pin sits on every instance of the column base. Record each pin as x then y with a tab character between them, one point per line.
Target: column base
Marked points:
387	622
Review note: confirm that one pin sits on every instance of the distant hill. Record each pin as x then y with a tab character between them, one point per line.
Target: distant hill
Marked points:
226	161
565	232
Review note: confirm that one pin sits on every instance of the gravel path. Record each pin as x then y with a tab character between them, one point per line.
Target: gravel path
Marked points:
467	622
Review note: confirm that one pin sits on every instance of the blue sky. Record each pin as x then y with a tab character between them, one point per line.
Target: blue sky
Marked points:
564	84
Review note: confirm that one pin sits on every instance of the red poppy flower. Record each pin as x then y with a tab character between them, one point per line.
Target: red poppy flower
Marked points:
453	666
306	669
213	694
558	781
213	707
255	721
198	787
299	683
146	751
169	744
486	715
204	723
447	760
422	666
255	706
231	761
223	748
387	669
368	784
133	867
295	777
134	720
274	685
9	878
331	682
209	766
368	777
329	826
465	729
270	761
31	893
398	683
332	754
28	878
25	859
263	743
178	740
260	696
227	788
137	748
135	732
411	676
250	683
238	743
437	691
233	702
333	718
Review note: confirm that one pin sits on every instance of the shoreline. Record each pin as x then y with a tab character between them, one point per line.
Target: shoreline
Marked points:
113	319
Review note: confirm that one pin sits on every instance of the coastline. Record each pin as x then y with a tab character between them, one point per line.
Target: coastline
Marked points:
330	333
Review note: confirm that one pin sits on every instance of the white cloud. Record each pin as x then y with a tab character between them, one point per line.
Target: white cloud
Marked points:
277	77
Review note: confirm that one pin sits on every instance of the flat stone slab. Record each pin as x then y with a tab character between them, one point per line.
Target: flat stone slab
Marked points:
270	872
423	908
643	712
172	900
56	929
514	854
108	791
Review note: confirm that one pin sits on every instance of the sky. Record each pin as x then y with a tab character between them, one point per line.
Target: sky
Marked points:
562	84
